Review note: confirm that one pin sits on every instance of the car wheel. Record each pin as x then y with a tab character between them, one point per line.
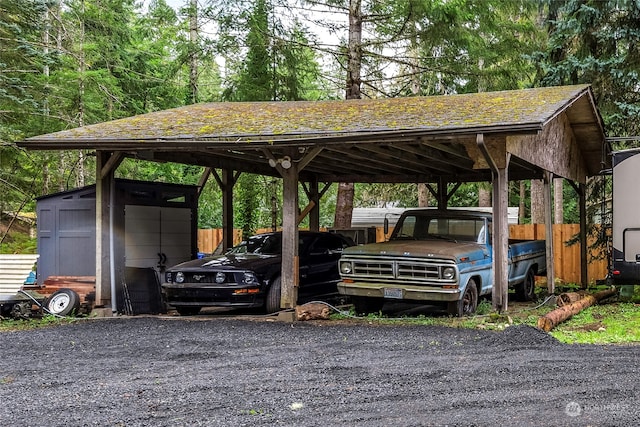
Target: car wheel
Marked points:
188	310
466	305
63	302
526	291
272	303
366	305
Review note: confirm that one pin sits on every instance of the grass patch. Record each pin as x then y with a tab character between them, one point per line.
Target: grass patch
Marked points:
612	323
617	323
8	325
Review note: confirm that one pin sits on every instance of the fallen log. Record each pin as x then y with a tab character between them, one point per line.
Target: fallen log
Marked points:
559	315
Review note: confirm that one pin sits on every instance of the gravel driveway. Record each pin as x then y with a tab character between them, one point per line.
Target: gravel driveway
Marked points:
216	371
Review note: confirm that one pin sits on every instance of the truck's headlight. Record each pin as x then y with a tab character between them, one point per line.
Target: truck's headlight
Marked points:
346	267
179	277
448	273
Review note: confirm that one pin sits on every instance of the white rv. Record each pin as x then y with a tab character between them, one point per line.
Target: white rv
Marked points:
626	217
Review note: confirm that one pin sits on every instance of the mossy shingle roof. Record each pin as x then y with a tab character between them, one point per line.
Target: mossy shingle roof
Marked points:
213	132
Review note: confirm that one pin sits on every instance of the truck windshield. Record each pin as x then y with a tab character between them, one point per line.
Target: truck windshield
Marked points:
420	227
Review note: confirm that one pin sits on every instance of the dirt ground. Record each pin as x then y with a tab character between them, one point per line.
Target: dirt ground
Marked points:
220	371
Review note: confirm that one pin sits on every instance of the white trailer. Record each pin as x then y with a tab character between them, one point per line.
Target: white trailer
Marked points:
626	217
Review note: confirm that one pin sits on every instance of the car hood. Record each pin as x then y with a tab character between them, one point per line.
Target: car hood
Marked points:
430	249
228	262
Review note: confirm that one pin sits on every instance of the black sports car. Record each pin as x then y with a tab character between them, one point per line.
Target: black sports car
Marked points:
248	275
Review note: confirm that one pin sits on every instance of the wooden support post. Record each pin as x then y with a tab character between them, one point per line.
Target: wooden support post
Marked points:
548	222
226	183
500	291
104	177
227	209
289	268
584	273
314	214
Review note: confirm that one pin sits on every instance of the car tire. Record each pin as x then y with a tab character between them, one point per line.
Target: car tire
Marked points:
466	305
366	305
526	291
272	302
63	302
188	310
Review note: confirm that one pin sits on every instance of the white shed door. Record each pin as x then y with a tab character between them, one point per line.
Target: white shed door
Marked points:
156	237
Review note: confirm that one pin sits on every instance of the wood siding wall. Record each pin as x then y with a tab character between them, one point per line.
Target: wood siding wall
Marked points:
566	262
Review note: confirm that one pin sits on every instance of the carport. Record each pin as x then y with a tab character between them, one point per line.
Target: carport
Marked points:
443	141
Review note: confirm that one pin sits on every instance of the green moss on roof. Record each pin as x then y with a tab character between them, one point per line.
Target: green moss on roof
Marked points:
262	120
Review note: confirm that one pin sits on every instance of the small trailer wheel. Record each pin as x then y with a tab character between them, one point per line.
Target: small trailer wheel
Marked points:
63	302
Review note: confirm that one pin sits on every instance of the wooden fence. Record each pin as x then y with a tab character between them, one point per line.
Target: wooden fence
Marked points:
566	260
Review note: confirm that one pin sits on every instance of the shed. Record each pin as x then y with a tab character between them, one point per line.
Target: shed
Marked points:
154	226
540	133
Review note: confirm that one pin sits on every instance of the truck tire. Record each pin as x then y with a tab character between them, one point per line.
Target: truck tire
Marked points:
63	302
466	305
187	310
272	303
366	305
526	291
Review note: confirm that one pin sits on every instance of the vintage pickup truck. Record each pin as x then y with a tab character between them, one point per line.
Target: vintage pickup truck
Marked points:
436	257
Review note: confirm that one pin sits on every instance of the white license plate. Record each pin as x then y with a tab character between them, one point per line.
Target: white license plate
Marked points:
393	293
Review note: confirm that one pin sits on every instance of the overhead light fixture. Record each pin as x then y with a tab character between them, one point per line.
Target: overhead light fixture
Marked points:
285	162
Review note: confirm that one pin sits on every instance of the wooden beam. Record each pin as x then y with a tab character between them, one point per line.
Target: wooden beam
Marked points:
111	164
203	179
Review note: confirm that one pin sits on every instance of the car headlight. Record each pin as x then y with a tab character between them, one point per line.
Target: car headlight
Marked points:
346	267
448	273
249	278
179	277
220	277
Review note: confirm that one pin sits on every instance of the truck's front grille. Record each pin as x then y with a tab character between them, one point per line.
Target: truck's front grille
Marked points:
374	269
420	271
405	270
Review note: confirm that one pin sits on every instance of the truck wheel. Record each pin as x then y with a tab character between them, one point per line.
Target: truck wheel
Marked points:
272	303
366	305
526	291
63	302
187	310
468	303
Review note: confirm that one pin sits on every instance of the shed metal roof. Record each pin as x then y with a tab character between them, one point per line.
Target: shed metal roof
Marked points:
412	139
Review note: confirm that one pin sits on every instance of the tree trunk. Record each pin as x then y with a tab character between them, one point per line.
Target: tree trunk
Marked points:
537	201
484	195
559	315
344	205
558	200
423	195
344	202
193	53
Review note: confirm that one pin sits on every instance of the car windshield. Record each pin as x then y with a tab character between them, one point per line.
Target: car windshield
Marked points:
266	244
421	227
